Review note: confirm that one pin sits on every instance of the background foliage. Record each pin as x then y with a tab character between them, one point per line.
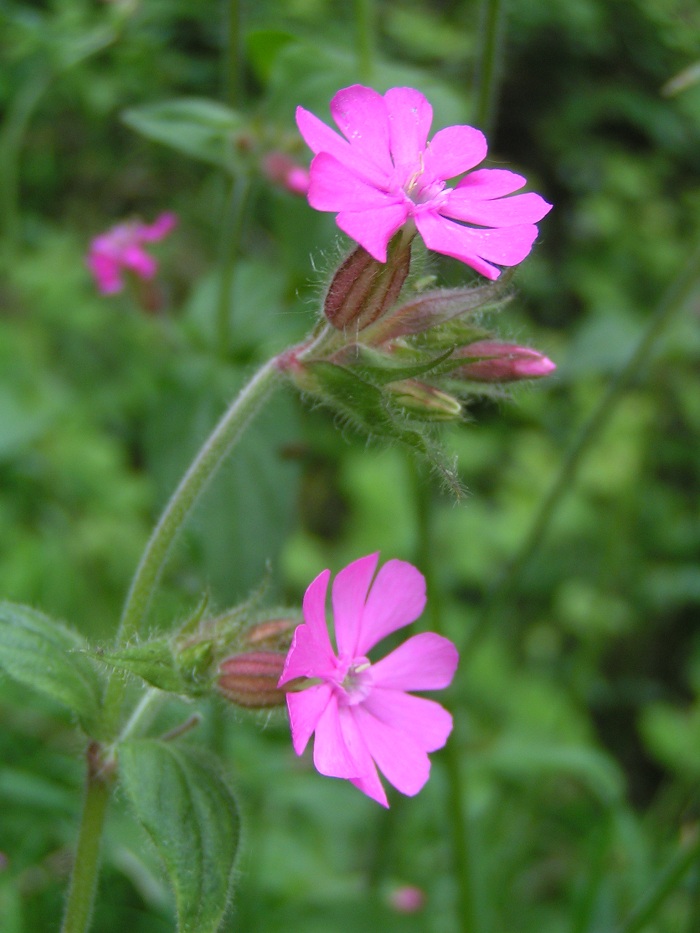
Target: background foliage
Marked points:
578	719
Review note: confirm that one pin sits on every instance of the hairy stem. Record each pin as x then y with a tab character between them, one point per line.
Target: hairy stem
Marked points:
210	457
83	885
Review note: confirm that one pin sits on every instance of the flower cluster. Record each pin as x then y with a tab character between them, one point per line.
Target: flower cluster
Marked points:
360	711
383	172
121	250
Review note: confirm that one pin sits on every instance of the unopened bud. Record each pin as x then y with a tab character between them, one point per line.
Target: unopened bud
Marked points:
491	361
425	401
363	289
285	172
273	633
250	679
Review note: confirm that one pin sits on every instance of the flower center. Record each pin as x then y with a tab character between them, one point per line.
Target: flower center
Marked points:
421	192
354	681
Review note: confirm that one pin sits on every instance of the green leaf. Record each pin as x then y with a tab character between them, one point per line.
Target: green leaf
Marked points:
48	657
382	368
196	126
187	808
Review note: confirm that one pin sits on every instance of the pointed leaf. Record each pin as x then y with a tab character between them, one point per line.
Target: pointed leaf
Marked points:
48	657
381	368
155	662
198	127
187	808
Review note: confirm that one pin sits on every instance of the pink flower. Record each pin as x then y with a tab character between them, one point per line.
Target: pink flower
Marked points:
120	249
385	171
284	171
360	712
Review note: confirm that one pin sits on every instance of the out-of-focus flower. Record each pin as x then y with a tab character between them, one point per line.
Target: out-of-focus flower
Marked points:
121	250
360	711
284	171
493	361
407	899
385	172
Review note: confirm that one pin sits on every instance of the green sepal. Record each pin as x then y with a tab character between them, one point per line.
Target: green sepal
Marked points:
383	368
158	665
184	802
373	411
49	657
199	127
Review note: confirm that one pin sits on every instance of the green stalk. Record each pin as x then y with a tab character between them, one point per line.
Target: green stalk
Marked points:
205	465
234	57
666	885
366	20
675	298
83	885
456	810
488	63
232	234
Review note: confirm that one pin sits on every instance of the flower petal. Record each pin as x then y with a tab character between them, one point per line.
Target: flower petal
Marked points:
397	755
321	138
454	150
161	227
373	229
349	594
305	709
372	786
333	187
491	182
424	662
500	212
361	115
425	720
410	116
477	248
396	599
311	653
339	749
137	260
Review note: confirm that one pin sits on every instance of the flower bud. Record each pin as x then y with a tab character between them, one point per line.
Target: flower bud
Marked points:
425	401
285	172
362	289
491	361
273	633
250	679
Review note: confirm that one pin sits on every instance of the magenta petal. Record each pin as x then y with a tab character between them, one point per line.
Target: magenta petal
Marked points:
311	653
161	227
372	786
349	594
138	261
305	709
400	759
500	212
361	114
424	662
425	720
478	248
396	599
454	150
321	138
373	229
333	187
339	749
410	116
491	183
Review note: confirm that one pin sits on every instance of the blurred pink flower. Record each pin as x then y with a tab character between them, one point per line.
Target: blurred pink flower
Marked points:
385	171
284	171
407	899
360	712
120	249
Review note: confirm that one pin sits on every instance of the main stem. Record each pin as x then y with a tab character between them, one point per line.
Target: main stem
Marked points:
81	894
204	466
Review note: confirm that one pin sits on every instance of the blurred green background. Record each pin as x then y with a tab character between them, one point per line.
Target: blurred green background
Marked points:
576	702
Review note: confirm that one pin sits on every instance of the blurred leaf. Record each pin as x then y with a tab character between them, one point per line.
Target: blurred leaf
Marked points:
198	127
187	808
46	656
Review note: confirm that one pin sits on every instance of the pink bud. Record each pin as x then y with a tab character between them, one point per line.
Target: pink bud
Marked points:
491	361
279	168
250	679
